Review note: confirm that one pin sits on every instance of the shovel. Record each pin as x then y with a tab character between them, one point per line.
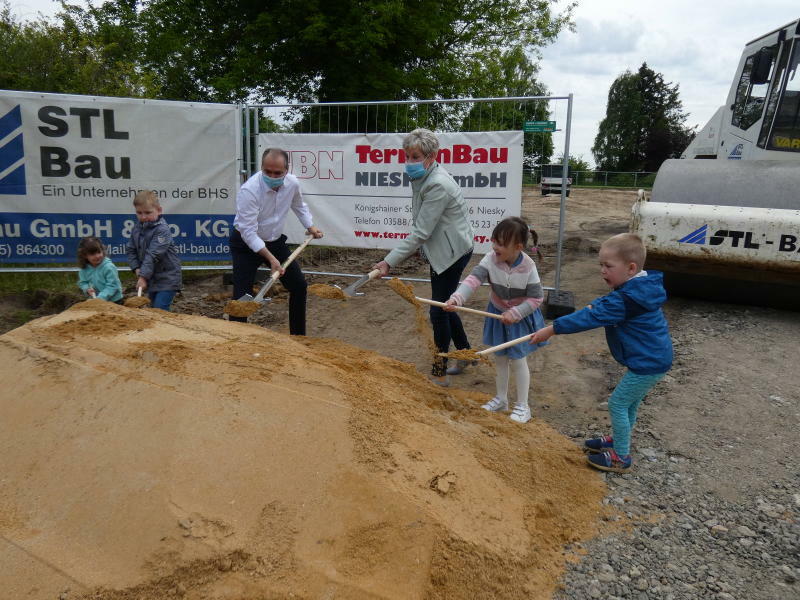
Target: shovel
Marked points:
138	301
461	308
350	290
275	275
493	349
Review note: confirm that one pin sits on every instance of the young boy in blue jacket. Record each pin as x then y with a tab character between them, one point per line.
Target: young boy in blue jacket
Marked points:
637	335
152	254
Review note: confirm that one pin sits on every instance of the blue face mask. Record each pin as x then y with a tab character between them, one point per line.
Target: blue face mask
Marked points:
273	182
415	170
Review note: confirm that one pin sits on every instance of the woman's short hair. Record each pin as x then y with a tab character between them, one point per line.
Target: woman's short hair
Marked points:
422	139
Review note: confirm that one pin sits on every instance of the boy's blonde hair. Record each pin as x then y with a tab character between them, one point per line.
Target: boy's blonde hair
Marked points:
629	247
146	198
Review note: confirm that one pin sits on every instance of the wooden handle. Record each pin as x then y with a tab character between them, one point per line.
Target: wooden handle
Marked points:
373	274
139	292
461	308
275	274
524	338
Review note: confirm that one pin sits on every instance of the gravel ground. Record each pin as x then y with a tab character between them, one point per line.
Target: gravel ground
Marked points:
711	508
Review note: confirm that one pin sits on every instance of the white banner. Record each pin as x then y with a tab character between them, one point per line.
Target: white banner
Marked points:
71	165
360	197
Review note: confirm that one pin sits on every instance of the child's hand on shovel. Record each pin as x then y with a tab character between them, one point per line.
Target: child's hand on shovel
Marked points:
450	305
544	334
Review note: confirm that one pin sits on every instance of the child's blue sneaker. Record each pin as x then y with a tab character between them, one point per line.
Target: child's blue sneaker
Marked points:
610	461
600	444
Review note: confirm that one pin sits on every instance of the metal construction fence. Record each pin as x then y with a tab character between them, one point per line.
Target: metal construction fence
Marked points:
616	179
209	187
440	116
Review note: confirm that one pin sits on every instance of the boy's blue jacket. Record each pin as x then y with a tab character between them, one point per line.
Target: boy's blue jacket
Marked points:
150	249
103	279
636	330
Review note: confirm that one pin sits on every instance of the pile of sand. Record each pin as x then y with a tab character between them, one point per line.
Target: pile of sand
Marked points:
151	455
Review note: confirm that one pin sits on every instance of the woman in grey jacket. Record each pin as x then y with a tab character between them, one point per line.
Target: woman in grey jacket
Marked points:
443	234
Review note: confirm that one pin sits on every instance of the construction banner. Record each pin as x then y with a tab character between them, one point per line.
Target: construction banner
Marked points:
360	196
71	165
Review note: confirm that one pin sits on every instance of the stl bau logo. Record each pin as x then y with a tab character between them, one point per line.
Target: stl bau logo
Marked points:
12	167
698	236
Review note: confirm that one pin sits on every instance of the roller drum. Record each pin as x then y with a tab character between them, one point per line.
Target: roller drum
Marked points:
743	183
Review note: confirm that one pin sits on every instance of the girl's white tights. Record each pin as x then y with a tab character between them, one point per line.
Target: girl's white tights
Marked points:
522	377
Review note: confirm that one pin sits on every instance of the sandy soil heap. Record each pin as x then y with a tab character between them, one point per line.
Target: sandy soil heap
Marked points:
154	455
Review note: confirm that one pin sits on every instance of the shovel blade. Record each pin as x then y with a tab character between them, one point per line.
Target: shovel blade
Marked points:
350	290
246	298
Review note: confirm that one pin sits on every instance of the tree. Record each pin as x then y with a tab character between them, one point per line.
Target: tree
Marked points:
511	73
644	123
312	50
576	163
65	58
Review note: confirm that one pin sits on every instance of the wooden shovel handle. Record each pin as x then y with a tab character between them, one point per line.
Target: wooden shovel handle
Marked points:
461	308
275	274
493	349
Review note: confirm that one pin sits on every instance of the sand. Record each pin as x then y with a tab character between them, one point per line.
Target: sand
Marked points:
421	322
241	308
468	354
137	302
153	455
329	292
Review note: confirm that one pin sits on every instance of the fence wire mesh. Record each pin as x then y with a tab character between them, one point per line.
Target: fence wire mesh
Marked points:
440	116
612	179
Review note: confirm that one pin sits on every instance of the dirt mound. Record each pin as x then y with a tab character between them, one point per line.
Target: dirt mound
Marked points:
154	455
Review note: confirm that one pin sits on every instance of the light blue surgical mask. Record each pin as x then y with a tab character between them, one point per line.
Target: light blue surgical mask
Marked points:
415	170
273	182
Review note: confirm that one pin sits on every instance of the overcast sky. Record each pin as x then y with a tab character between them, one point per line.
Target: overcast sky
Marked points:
693	43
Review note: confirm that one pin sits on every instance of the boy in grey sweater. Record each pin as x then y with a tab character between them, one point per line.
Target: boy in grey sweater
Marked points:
152	254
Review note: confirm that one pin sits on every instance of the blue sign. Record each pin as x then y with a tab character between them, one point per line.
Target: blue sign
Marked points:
54	237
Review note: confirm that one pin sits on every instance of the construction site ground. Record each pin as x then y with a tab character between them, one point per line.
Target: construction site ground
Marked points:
715	481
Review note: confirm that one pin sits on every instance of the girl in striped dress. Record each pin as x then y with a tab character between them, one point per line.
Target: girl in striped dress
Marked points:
516	293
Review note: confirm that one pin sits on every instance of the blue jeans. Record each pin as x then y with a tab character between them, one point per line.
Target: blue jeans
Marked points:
162	299
623	405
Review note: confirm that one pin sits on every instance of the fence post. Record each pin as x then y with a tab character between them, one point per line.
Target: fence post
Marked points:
606	183
635	175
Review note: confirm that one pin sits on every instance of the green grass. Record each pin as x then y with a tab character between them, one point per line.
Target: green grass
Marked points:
22	316
17	283
21	283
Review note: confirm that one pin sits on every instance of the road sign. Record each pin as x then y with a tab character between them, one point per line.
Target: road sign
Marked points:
533	126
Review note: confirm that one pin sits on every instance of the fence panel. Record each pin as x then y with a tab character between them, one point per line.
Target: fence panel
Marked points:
617	179
450	116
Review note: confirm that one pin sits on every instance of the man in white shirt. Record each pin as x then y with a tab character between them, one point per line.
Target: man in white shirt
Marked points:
262	204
